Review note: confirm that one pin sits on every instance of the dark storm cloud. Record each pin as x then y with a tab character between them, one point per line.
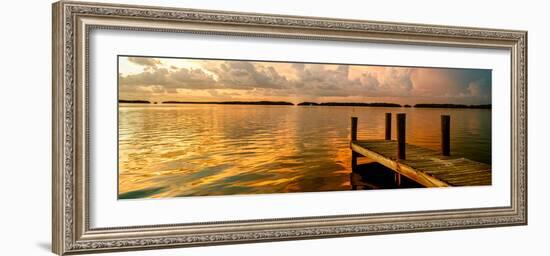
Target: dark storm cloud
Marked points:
467	85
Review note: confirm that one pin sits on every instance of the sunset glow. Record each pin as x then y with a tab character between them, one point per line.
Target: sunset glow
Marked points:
180	79
203	127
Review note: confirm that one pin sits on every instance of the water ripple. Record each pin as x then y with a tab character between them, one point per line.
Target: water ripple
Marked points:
184	150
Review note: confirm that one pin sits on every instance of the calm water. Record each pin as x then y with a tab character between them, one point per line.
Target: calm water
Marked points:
184	150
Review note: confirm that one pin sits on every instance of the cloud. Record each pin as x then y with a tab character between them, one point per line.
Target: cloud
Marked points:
479	88
464	85
215	78
170	80
145	61
323	81
388	81
238	75
245	75
318	80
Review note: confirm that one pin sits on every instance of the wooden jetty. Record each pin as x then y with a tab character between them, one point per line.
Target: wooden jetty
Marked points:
427	167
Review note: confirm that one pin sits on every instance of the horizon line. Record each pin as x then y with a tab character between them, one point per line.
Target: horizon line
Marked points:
311	103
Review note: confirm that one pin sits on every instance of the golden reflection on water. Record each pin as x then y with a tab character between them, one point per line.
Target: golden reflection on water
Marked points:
186	150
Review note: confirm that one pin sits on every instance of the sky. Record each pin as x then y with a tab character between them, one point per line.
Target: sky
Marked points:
183	79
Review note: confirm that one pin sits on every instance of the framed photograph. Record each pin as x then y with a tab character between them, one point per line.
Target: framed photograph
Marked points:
179	127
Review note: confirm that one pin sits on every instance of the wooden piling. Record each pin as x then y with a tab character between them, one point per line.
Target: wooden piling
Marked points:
353	128
397	178
424	166
446	135
401	117
354	155
388	126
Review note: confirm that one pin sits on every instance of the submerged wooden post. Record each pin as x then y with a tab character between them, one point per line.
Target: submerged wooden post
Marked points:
397	178
388	126
446	135
353	138
401	135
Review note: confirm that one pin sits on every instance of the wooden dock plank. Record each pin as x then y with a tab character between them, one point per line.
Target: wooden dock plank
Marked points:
425	166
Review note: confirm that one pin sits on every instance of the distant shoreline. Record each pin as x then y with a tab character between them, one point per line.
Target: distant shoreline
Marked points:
232	102
351	104
483	106
135	101
327	104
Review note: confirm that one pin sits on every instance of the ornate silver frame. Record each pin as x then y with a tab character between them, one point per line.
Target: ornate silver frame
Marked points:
72	22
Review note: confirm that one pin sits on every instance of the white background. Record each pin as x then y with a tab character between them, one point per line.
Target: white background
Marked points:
106	211
25	100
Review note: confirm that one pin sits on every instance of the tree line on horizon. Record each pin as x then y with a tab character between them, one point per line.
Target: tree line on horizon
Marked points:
306	103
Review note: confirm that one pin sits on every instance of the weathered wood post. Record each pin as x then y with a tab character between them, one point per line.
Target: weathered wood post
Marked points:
446	135
353	128
388	126
401	135
353	138
401	143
